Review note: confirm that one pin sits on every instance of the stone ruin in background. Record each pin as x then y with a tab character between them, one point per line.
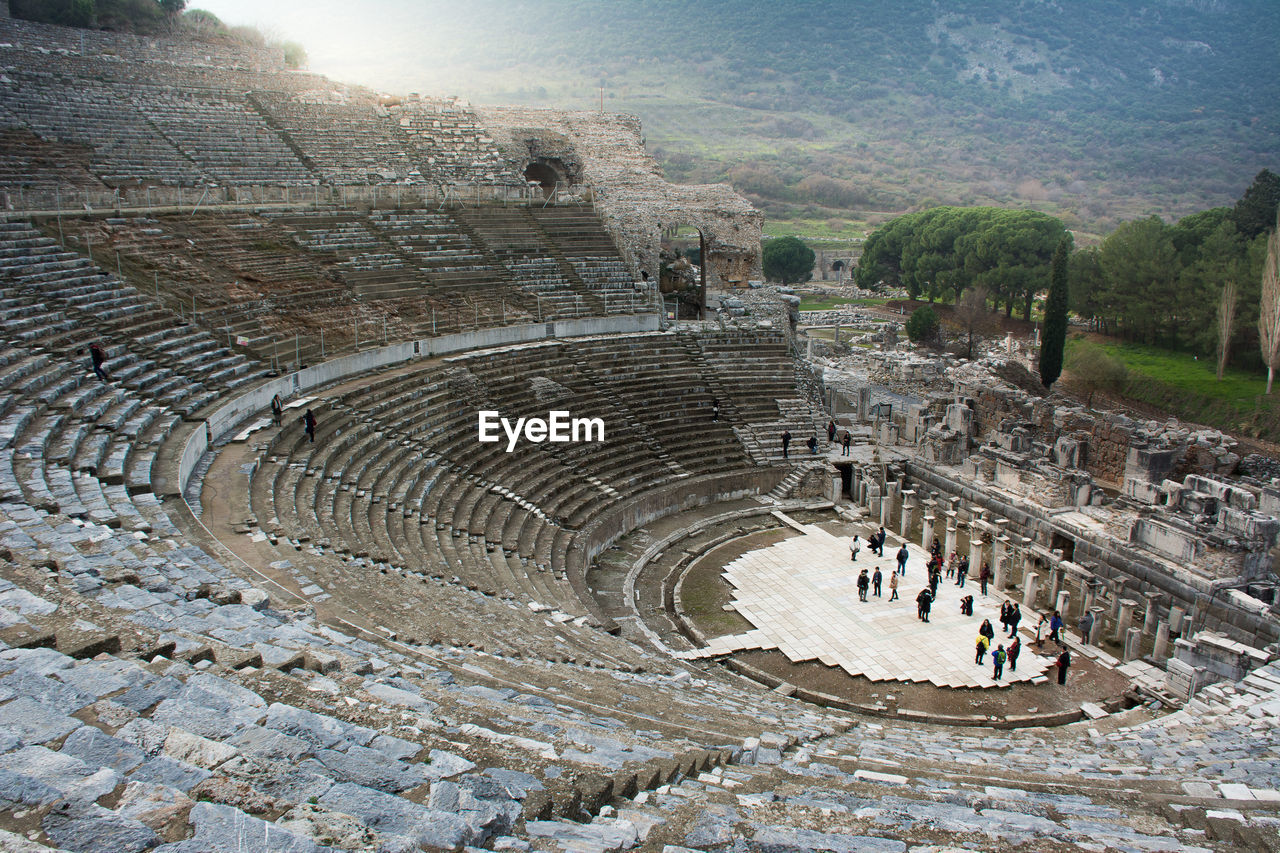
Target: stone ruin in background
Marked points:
1078	509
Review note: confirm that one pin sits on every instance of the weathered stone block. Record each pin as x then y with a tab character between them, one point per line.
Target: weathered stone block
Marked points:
594	791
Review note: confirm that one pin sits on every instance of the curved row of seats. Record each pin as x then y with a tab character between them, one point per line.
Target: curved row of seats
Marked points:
230	123
186	675
78	444
397	472
261	280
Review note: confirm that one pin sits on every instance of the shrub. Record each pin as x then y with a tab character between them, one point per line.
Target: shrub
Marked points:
922	325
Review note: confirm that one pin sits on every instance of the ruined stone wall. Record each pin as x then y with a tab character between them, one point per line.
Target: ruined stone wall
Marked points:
993	406
1107	449
630	192
1112	442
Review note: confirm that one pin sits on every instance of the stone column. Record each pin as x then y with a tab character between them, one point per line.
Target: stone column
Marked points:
975	553
1125	619
1149	618
1055	582
1028	557
1099	625
950	544
1176	616
1000	561
908	509
886	506
1116	588
1132	644
1030	581
1090	593
1082	596
1196	618
1161	650
1061	603
926	537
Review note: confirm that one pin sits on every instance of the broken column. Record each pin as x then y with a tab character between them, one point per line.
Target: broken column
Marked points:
1132	644
1153	605
1089	591
886	506
1061	603
975	551
908	510
1029	583
1099	624
1082	595
1000	561
926	539
950	544
1161	650
1176	616
1125	619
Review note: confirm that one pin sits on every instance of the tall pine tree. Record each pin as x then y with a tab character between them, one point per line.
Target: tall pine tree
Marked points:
1055	318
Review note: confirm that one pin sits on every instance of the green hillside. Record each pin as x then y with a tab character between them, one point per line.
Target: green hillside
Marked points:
1096	111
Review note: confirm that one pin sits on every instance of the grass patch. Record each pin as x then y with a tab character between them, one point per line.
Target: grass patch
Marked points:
1184	371
830	233
1188	388
704	594
826	304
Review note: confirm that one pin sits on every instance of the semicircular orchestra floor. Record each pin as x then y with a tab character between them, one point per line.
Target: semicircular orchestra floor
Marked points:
801	595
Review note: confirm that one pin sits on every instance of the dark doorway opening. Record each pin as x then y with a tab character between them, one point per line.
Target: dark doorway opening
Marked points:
846	478
545	175
1067	544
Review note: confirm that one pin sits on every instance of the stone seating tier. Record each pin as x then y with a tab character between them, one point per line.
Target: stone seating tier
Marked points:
225	124
206	708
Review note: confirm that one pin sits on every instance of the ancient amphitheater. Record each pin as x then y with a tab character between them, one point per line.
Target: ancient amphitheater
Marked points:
224	634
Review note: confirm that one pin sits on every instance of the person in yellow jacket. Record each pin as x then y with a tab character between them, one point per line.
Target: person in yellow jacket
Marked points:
983	644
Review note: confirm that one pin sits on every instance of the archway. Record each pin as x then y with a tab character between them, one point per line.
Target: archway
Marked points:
547	174
682	277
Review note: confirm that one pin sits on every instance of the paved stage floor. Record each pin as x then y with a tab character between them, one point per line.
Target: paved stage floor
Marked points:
801	595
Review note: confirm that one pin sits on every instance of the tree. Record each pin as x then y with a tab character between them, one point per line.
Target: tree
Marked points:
295	55
1084	283
173	7
972	315
80	13
1217	261
1226	323
1256	210
1140	268
1269	311
1055	319
787	260
202	24
942	251
1092	370
922	325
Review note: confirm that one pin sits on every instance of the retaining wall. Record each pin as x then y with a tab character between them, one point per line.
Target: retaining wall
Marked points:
231	414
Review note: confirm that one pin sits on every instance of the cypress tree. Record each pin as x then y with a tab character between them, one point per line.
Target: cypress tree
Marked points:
1055	319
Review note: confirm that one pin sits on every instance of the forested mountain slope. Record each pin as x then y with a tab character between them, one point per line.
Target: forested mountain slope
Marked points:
1096	110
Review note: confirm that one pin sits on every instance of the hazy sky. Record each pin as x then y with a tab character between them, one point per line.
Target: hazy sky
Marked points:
380	43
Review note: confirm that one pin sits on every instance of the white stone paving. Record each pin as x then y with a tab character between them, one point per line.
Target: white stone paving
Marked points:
801	595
